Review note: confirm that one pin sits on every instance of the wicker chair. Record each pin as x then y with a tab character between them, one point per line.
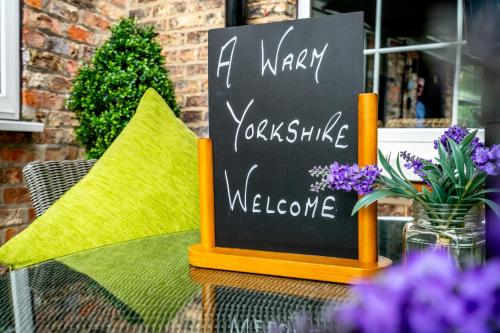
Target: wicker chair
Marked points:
48	181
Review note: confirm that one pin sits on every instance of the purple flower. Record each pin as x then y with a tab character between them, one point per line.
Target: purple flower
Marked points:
426	294
488	159
414	163
456	133
347	178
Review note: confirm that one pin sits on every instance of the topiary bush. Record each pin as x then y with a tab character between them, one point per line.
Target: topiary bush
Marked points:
107	90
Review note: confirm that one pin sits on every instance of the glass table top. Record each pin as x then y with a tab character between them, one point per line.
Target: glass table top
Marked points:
147	286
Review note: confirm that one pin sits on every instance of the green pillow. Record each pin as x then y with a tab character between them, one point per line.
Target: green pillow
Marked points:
145	184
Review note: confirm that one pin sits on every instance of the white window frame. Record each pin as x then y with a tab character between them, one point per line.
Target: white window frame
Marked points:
9	60
10	70
418	141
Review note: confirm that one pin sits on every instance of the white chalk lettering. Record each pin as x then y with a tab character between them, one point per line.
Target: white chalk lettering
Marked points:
287	61
267	62
238	121
255	207
296	211
227	63
280	203
328	208
320	57
312	205
237	195
340	136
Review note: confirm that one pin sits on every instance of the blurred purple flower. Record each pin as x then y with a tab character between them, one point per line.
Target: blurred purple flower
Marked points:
488	159
456	133
353	178
426	294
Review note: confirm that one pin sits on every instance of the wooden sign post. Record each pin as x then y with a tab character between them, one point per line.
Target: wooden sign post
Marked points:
283	100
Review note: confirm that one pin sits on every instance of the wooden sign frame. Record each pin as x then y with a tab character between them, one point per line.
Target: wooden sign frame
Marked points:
207	255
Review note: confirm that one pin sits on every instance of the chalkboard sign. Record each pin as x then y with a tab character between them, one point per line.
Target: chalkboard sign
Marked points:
283	98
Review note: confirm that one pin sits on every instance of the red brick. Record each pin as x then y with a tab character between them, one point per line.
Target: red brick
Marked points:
72	67
16	195
12	231
34	3
120	3
19	155
197	101
46	61
31	214
197	69
33	38
187	55
197	37
203	53
59	84
43	22
193	116
186	86
11	176
55	136
106	8
186	21
14	137
79	34
43	99
92	20
62	153
64	10
63	46
11	216
62	119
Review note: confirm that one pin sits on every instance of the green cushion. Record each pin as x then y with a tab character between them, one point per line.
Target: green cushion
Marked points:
145	184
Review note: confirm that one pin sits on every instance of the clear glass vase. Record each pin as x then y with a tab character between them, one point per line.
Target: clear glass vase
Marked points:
457	229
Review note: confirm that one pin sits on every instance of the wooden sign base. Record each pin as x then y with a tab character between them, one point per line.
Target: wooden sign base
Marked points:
312	267
285	264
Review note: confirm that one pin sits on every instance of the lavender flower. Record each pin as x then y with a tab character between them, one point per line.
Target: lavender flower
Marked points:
456	133
347	178
414	163
488	159
427	294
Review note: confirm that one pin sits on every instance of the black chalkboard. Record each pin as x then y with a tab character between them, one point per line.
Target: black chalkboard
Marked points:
283	98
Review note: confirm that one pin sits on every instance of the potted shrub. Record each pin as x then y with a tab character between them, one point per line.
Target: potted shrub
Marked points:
107	90
448	211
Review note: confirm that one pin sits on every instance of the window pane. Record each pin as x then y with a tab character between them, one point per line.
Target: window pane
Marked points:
369	61
418	22
332	7
469	94
416	88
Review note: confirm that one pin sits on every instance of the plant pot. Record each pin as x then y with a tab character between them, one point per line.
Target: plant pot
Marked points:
456	229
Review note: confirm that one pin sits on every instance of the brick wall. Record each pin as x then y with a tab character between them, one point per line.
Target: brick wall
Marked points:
55	37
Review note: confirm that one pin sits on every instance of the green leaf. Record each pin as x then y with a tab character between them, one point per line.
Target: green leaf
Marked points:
493	205
370	198
458	157
395	179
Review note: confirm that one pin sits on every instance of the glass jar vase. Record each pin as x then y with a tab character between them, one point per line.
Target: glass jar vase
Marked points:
456	229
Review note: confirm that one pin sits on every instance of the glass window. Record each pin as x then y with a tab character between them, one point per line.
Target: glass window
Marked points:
416	88
414	22
469	94
414	61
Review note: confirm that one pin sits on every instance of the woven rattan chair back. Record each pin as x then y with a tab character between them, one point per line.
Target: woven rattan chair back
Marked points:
48	181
